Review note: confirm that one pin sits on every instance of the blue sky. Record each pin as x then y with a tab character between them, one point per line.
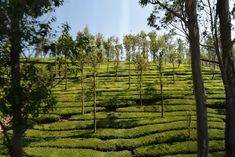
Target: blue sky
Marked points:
110	17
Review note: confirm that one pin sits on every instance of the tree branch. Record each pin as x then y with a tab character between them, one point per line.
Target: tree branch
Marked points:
154	2
208	46
210	61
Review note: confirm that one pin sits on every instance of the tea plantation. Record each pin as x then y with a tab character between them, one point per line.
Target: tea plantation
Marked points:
124	127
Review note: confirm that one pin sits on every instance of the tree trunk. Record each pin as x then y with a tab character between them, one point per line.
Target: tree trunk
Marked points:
59	69
94	98
162	99
83	91
107	65
189	124
129	71
229	75
173	72
15	98
56	69
165	58
141	75
199	91
230	119
66	77
154	57
213	71
117	64
161	84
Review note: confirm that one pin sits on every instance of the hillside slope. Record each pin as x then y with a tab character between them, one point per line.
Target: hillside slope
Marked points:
124	128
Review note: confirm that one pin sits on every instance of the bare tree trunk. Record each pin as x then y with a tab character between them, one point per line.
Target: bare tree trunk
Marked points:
230	119
56	70
199	91
82	87
129	71
107	65
189	124
213	71
59	69
162	99
173	72
17	126
66	77
229	74
117	64
141	75
161	83
154	57
165	58
94	98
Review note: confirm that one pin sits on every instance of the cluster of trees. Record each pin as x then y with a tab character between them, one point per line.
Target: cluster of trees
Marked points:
91	50
140	49
185	16
26	89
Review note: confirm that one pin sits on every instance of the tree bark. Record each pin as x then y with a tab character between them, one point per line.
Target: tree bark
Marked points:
82	87
129	71
154	57
189	124
15	98
107	65
141	75
161	83
117	65
173	72
94	98
199	91
229	75
66	77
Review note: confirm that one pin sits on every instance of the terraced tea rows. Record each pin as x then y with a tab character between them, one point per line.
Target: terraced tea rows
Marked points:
124	128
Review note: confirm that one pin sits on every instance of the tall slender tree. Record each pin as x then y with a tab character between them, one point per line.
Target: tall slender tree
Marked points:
180	51
141	65
83	44
65	47
228	72
109	50
127	41
95	56
19	24
153	45
185	12
118	52
194	39
172	59
143	44
162	49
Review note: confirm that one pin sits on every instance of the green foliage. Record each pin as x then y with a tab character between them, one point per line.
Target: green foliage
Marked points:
140	62
65	43
130	128
109	48
36	93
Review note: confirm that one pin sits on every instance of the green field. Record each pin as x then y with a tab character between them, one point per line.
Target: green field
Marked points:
124	128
